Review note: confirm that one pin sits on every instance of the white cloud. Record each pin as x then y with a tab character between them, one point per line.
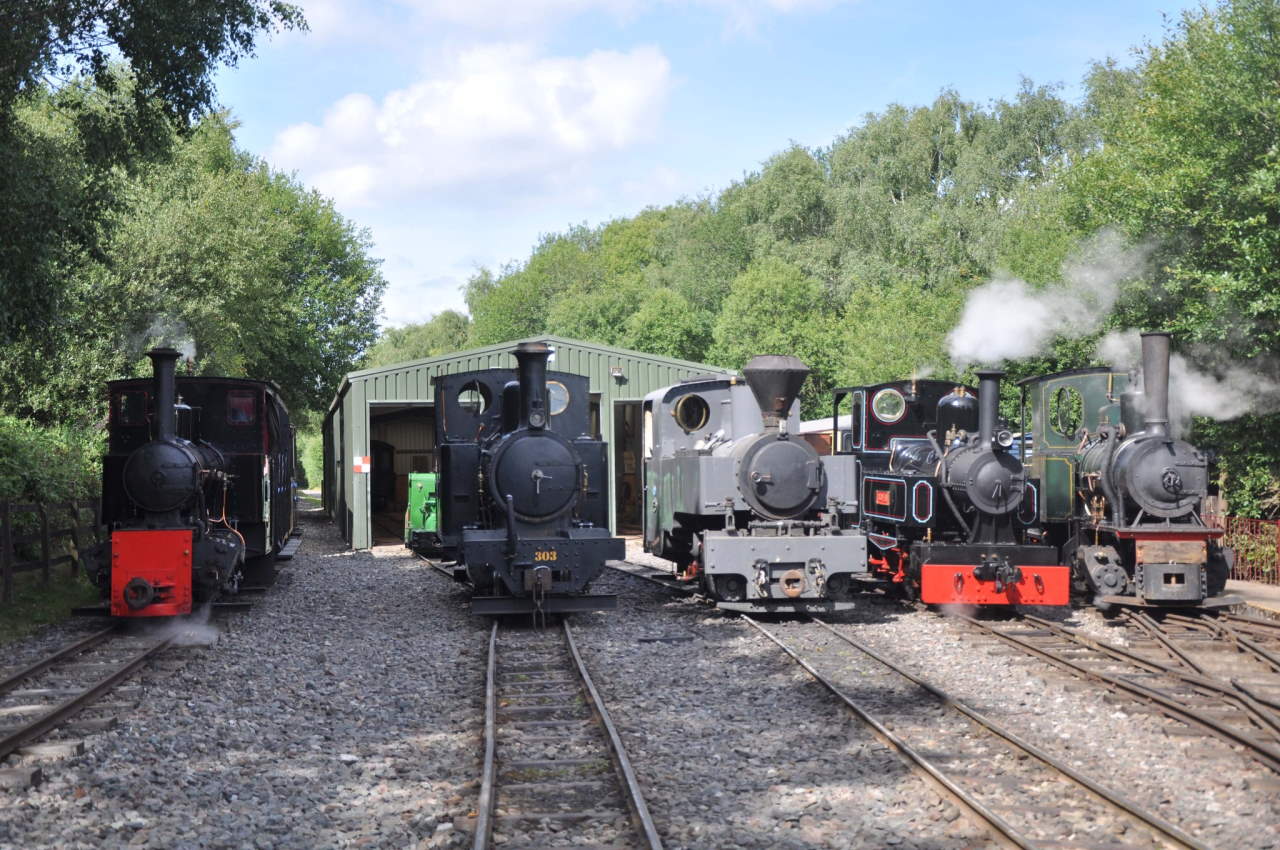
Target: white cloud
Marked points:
498	112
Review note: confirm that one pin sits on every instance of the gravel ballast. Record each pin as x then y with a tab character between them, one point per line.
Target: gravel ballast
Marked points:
338	712
344	710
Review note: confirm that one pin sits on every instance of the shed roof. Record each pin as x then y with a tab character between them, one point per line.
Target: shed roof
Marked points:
507	346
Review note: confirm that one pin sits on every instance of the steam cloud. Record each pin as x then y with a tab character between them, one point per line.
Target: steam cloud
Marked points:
1007	319
166	330
1218	390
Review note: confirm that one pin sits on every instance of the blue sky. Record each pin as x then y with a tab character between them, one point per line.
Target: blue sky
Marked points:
460	131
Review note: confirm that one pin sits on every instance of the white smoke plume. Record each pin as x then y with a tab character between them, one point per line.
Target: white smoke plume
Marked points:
192	630
170	331
1008	319
1204	386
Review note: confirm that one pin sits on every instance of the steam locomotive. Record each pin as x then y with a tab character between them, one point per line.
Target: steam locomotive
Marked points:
521	501
945	503
1121	495
197	483
742	505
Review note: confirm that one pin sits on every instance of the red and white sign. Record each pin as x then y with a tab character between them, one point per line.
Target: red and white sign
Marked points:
360	463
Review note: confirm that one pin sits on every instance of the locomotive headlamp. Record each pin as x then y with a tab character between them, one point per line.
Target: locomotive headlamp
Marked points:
1004	439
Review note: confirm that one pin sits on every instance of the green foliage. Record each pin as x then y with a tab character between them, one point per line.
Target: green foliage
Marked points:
55	464
173	46
310	458
209	247
444	332
774	308
36	604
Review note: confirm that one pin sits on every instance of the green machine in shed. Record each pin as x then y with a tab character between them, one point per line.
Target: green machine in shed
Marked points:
421	517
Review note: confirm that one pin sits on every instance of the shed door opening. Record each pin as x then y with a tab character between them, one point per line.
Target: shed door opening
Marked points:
628	448
401	440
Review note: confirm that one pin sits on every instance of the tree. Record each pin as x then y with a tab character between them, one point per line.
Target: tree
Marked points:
172	46
1189	161
773	308
444	332
260	276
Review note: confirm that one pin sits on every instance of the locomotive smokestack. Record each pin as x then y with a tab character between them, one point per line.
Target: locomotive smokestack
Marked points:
775	381
988	403
532	360
1155	381
163	362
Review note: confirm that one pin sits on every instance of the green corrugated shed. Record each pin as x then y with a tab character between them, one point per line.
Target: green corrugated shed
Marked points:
618	376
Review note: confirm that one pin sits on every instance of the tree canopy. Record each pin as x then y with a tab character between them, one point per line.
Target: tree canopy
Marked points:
859	256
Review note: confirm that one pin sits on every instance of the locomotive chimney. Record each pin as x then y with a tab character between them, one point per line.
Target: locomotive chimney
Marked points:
531	358
988	403
1155	382
775	381
163	362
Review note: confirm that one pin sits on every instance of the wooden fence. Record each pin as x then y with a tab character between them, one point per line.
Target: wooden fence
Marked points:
22	527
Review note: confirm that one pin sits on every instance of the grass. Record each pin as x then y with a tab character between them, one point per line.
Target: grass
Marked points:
35	605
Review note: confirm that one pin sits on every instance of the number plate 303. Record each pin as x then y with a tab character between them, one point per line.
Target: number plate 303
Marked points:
545	556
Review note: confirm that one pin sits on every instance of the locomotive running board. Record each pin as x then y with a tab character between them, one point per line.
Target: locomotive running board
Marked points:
495	606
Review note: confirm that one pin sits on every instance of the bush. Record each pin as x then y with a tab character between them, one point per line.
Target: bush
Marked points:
43	464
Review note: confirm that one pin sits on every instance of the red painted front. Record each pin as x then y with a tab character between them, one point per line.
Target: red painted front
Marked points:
942	584
162	558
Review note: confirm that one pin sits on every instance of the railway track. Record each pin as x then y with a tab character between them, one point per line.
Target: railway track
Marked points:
47	695
1238	711
1024	796
555	771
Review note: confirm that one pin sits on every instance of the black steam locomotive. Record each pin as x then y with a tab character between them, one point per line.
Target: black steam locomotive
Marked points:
1122	495
521	489
945	503
197	482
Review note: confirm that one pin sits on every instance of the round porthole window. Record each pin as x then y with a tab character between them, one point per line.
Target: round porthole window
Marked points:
557	397
692	412
473	397
889	406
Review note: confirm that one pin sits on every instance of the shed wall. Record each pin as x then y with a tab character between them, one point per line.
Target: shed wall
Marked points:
346	496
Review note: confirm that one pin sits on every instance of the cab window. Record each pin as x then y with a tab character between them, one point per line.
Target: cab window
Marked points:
130	408
241	407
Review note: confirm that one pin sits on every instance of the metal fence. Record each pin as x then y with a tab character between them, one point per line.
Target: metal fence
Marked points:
36	537
1257	546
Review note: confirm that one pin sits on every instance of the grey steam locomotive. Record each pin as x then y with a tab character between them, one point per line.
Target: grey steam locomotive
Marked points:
520	491
740	503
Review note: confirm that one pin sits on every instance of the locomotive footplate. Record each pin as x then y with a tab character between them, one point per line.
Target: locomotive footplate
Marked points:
991	574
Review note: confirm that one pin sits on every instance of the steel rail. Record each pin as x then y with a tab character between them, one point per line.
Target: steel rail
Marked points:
1264	752
1231	632
670	583
635	796
48	661
484	807
1003	832
73	705
1158	825
1261	624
